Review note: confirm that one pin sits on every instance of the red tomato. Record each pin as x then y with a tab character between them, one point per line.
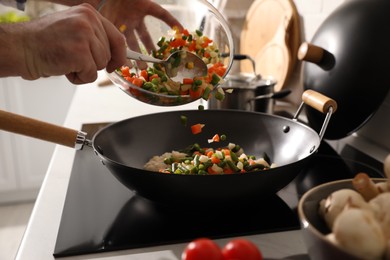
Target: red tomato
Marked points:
202	249
241	249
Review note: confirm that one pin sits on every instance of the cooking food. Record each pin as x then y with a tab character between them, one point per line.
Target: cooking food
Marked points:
155	79
360	219
200	160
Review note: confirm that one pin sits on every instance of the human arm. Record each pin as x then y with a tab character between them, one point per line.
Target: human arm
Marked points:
76	42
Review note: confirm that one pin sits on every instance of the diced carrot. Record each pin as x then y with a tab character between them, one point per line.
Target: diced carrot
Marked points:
227	170
217	68
184	92
197	153
125	71
186	32
215	159
144	74
129	78
211	171
138	82
226	152
192	46
210	153
154	76
206	42
216	138
177	42
197	128
188	81
197	93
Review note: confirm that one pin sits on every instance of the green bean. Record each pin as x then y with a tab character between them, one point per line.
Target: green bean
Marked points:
254	166
232	166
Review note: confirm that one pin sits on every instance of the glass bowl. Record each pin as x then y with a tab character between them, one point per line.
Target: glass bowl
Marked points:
194	16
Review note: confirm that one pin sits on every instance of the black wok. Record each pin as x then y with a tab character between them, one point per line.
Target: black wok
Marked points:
124	147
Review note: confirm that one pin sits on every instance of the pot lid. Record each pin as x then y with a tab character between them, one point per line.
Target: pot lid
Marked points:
347	60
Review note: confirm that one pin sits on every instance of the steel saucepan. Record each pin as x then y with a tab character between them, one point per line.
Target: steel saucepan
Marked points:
125	146
250	91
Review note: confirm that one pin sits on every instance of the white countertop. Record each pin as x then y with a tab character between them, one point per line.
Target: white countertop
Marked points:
93	104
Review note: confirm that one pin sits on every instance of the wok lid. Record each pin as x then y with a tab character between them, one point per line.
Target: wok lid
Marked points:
347	60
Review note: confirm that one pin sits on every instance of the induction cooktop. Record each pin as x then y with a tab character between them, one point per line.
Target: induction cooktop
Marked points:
101	215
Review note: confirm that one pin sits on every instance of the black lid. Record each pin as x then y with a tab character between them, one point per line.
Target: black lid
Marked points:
355	69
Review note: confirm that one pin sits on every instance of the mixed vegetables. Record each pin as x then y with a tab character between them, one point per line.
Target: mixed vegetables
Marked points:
226	160
154	79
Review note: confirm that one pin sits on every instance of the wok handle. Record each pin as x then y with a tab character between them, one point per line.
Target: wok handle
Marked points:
41	130
310	52
321	103
318	101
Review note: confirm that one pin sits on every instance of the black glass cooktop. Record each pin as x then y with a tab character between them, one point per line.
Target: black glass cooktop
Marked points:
101	215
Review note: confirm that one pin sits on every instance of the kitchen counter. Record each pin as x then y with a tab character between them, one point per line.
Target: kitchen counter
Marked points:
94	104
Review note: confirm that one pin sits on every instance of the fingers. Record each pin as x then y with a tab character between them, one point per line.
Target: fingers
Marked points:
93	43
159	12
133	44
117	46
106	49
145	38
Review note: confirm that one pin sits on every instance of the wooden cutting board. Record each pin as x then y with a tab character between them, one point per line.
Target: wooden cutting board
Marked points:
271	35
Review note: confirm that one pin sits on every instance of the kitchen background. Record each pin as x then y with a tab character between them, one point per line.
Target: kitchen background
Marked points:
24	161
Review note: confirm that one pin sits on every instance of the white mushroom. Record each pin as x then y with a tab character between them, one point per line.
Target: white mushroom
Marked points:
358	232
365	186
382	186
381	210
335	203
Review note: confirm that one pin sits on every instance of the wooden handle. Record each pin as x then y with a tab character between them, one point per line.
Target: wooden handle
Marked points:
37	129
311	53
318	101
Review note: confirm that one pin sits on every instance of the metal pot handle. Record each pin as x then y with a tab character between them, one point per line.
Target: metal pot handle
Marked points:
42	130
319	102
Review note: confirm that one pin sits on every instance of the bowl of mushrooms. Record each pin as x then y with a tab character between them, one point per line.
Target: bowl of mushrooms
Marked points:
348	219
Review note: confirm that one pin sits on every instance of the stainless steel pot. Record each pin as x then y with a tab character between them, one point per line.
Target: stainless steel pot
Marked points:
245	90
250	92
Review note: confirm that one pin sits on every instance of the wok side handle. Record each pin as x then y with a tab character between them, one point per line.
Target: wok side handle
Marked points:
321	103
18	124
318	101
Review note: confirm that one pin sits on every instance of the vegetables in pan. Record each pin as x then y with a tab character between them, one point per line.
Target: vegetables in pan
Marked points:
154	79
200	160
